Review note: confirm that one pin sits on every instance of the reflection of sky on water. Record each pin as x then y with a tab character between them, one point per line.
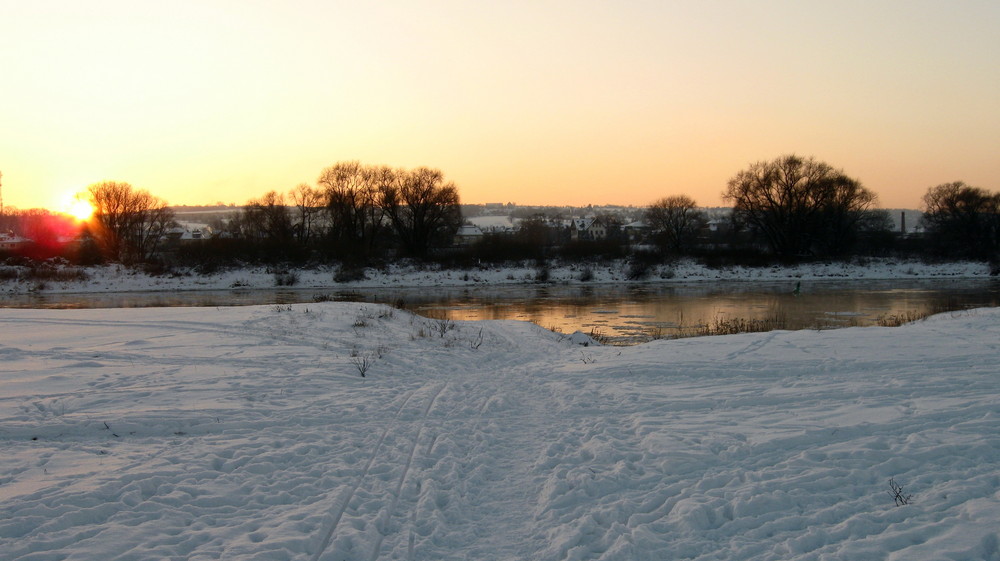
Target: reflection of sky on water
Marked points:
638	312
612	310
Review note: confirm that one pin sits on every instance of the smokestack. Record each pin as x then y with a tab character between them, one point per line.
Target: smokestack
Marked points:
902	222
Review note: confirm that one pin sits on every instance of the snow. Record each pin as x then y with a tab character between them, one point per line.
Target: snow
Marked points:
249	433
116	278
490	223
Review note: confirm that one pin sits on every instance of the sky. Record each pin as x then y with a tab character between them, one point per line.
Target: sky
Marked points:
533	102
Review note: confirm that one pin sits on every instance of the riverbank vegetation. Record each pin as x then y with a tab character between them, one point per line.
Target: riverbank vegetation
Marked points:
785	211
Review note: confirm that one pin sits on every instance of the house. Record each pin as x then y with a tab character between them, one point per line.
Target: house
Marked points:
467	235
636	231
178	236
11	242
588	229
578	228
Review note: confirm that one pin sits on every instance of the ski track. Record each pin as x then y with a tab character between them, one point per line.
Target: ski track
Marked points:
250	435
754	346
353	489
388	512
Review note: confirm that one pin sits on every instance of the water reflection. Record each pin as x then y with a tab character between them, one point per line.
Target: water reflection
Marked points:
642	311
615	311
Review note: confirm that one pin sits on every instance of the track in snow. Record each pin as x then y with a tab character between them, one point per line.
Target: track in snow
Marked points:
363	477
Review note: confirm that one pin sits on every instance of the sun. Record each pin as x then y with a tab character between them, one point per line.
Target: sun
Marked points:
77	208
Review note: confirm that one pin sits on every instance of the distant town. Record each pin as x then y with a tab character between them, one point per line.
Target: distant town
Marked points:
588	222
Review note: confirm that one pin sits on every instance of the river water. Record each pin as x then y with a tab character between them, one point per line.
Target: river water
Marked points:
621	313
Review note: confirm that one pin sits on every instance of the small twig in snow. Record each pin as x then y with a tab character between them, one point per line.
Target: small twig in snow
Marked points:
897	493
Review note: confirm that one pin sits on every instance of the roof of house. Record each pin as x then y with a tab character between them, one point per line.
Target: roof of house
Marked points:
10	237
469	230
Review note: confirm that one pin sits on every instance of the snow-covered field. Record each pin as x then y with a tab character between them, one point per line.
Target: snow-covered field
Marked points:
115	278
249	433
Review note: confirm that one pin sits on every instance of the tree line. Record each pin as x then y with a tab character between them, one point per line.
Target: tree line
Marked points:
797	206
789	208
356	213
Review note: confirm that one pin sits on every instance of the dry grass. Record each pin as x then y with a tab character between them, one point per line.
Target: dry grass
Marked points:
731	326
910	316
597	335
895	320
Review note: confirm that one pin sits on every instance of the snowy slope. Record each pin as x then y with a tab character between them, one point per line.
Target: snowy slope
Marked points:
249	433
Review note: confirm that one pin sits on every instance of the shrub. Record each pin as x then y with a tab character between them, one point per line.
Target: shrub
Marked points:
589	249
286	278
47	272
500	248
638	269
157	268
543	273
349	274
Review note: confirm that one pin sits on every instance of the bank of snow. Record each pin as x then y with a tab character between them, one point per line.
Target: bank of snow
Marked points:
115	278
249	433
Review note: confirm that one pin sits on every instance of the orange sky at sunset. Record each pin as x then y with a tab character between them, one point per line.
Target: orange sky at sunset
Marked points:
535	102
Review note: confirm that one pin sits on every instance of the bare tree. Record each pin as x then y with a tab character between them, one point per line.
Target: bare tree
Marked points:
799	206
424	210
354	201
128	223
267	219
675	222
309	205
963	220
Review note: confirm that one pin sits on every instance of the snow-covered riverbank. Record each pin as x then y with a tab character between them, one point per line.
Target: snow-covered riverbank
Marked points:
114	278
249	433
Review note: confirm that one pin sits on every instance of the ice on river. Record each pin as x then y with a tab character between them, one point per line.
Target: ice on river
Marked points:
249	433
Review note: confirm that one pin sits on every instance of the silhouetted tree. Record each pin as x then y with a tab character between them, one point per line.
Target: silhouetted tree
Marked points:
799	206
309	205
128	223
354	200
266	219
875	233
675	222
963	220
8	219
424	210
845	216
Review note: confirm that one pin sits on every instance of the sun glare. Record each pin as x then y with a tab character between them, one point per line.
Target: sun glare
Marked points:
78	208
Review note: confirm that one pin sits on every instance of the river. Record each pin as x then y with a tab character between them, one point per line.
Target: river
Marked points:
619	313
